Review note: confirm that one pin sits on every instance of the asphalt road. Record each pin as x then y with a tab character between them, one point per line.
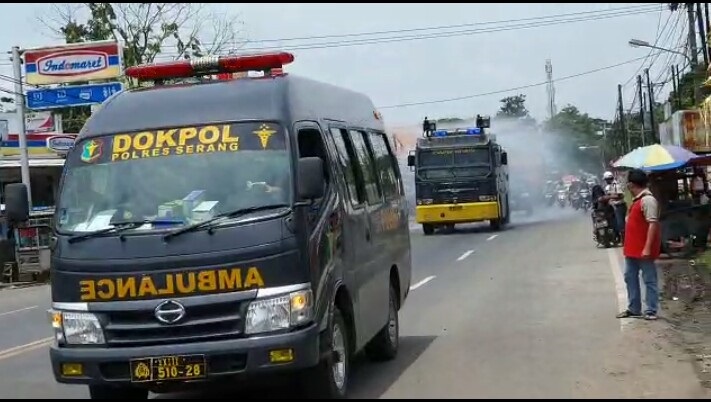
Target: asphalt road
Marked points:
525	313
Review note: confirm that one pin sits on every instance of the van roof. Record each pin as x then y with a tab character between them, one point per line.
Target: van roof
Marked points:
285	98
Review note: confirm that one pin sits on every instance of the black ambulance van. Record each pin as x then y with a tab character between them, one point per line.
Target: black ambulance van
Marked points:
212	229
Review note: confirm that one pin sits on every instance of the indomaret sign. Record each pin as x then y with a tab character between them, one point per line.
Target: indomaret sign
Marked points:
73	63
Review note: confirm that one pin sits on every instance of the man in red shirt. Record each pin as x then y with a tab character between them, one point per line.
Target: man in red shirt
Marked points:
642	246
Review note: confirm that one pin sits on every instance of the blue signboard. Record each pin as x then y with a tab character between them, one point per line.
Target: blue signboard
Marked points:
79	95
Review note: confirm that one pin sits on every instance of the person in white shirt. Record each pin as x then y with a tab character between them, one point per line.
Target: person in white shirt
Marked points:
614	194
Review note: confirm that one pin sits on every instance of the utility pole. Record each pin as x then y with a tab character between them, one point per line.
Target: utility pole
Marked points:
621	112
650	88
22	135
550	90
702	33
678	85
641	106
675	87
692	36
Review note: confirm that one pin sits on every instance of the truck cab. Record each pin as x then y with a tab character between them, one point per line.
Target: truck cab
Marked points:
461	176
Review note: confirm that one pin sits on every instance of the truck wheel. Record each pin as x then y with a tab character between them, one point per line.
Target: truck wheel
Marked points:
428	229
109	392
495	224
329	380
385	344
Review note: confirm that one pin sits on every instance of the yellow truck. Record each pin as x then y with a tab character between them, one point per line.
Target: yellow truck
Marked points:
461	176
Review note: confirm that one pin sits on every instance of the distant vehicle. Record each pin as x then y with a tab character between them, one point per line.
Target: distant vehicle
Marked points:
225	228
460	176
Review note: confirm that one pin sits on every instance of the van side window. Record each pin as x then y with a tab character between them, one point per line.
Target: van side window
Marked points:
311	144
384	165
396	166
347	159
365	165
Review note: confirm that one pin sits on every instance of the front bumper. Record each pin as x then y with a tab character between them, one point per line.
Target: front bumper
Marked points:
457	213
225	359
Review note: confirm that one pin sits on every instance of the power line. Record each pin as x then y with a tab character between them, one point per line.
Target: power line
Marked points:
656	41
511	89
628	8
555	19
468	32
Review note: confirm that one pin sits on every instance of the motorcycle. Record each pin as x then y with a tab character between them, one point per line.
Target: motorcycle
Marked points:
586	198
576	201
562	198
604	233
548	198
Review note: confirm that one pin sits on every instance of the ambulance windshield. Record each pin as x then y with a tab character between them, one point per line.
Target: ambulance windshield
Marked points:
176	176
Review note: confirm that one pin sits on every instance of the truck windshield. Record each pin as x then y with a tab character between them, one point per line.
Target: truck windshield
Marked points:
453	157
445	164
177	176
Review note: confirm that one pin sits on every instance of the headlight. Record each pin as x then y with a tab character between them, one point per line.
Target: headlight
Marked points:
278	313
76	328
487	198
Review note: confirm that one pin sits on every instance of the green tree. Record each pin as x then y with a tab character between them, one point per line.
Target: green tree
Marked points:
579	137
147	31
513	106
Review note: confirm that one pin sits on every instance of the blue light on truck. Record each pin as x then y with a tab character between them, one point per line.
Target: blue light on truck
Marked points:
474	131
440	133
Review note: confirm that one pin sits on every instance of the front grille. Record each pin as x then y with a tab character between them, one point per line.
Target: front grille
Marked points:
213	321
461	193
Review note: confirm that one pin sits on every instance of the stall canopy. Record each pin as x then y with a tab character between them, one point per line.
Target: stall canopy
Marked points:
656	158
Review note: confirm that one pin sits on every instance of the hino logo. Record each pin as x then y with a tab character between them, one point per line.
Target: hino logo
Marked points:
169	312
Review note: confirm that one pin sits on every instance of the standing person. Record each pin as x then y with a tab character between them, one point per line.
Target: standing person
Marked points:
616	197
642	247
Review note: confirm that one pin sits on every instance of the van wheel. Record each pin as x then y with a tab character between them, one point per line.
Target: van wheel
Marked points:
109	392
428	228
329	380
385	344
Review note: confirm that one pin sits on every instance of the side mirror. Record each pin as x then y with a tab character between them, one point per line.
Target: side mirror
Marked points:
410	160
504	158
312	183
17	205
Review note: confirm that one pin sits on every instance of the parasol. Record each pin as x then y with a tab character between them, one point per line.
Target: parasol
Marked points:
656	158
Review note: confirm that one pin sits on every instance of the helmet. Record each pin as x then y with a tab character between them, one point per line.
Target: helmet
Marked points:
608	176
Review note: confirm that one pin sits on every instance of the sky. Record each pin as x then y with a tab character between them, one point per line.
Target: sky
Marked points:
464	63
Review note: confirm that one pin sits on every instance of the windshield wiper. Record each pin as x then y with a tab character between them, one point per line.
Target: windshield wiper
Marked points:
225	215
120	226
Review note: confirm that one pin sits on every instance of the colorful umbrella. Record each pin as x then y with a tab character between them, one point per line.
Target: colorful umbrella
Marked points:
656	157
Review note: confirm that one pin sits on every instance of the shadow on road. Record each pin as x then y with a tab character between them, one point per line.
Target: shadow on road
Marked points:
371	380
368	379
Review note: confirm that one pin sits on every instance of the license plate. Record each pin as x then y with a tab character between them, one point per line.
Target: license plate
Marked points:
600	225
455	207
168	368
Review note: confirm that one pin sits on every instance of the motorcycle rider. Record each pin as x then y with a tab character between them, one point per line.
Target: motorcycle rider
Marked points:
614	195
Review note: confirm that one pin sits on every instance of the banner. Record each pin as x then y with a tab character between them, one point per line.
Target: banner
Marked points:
73	63
39	122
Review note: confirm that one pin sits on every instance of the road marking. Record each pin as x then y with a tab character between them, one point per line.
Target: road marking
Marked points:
492	237
18	310
465	255
620	287
18	350
422	282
